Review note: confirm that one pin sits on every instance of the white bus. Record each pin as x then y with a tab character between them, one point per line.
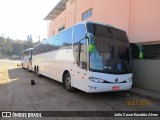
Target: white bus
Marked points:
92	57
26	59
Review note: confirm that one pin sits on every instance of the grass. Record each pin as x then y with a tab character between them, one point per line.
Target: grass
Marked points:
3	74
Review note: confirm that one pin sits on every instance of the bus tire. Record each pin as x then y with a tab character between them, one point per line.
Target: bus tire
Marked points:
28	69
22	66
35	69
37	72
67	83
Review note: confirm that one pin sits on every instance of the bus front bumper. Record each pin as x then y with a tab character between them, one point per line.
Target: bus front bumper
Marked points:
105	87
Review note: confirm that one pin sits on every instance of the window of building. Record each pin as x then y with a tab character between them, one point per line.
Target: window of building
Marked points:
61	28
87	14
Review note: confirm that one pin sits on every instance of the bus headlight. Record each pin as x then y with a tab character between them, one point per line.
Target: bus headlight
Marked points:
96	80
129	80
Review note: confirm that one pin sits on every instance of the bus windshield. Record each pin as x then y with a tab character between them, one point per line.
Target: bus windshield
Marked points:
112	50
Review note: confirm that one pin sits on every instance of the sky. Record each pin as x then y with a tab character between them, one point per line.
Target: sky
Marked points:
19	18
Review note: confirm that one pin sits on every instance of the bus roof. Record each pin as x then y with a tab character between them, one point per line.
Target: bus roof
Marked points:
82	22
86	21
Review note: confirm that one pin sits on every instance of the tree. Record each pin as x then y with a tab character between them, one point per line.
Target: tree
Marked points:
8	46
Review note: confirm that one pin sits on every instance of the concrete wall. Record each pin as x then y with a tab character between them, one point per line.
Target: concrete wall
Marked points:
105	11
146	74
70	13
144	20
139	18
56	23
114	12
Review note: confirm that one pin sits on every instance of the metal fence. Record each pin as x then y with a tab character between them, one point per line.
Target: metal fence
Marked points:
150	50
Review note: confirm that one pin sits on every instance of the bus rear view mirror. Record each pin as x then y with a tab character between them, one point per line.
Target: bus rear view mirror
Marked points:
91	48
141	55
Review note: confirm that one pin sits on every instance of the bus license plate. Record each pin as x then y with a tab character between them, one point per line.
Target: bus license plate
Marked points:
115	88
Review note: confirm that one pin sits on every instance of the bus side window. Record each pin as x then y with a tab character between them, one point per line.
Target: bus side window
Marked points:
48	45
43	47
53	43
80	41
66	38
58	41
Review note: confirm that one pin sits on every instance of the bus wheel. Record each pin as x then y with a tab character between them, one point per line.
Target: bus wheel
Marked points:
22	66
35	69
37	72
28	69
67	83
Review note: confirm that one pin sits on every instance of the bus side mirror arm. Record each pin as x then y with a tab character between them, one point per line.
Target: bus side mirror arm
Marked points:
91	45
140	51
91	38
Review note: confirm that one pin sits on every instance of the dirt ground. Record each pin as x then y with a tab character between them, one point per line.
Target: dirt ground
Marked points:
17	94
